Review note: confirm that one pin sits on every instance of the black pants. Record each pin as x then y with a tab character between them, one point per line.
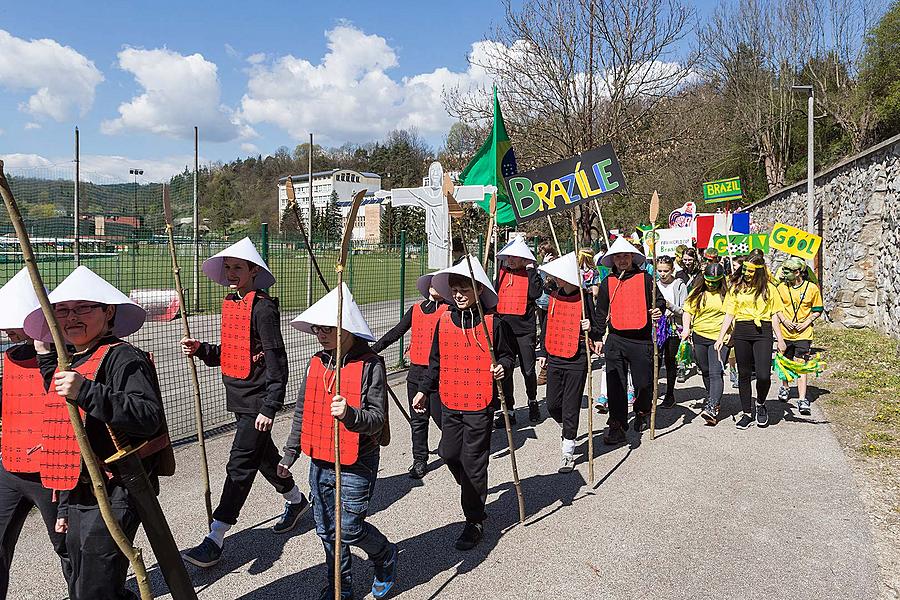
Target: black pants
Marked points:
252	451
565	388
419	425
753	350
711	365
624	355
465	447
99	569
525	350
669	352
19	493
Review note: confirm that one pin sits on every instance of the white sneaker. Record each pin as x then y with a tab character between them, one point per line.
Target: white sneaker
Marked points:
568	464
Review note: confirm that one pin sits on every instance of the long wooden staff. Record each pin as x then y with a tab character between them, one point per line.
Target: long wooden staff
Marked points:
292	204
492	223
587	351
654	212
98	480
186	328
455	213
602	224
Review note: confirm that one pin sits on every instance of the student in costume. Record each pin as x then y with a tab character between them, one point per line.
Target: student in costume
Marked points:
704	313
254	372
753	305
626	307
422	319
519	285
116	386
563	350
460	368
361	409
802	302
546	253
674	292
22	440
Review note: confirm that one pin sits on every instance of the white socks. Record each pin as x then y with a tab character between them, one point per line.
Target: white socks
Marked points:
217	532
568	446
294	496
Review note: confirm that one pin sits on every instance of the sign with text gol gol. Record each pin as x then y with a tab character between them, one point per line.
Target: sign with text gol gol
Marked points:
795	242
724	190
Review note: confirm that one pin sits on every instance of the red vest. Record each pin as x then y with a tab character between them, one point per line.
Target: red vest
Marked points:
23	415
628	303
563	325
465	380
512	291
235	357
423	326
317	432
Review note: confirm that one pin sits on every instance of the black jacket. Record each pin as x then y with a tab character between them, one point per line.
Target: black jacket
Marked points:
644	334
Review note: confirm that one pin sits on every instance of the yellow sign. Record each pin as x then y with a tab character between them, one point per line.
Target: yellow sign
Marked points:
795	242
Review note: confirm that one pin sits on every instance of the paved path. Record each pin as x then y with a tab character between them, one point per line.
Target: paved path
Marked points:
699	513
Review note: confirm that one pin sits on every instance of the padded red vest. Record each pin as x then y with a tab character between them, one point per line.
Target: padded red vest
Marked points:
512	291
23	415
61	458
563	325
628	303
317	432
465	380
423	326
235	357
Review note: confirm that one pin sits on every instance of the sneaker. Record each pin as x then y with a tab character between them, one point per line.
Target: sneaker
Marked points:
615	434
762	415
418	469
783	394
733	376
803	405
641	422
744	422
327	592
601	405
385	575
709	415
682	376
206	554
534	412
568	464
499	422
470	536
291	515
668	402
630	396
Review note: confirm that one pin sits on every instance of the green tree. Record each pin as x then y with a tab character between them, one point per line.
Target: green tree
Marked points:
331	218
880	74
222	205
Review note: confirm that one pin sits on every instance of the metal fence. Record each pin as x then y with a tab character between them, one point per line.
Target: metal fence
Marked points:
136	260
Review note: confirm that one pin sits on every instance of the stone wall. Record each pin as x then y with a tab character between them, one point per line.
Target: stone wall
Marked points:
858	217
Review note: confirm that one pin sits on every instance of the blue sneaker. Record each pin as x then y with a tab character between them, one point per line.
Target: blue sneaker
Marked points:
385	575
601	405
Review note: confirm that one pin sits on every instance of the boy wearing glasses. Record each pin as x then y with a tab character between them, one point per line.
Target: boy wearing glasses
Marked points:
255	372
802	301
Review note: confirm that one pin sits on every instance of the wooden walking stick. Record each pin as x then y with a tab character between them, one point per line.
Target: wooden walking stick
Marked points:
602	224
490	232
587	349
456	212
98	479
186	328
292	203
654	212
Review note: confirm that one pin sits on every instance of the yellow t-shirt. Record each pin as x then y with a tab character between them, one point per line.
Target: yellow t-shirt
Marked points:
799	304
746	306
706	320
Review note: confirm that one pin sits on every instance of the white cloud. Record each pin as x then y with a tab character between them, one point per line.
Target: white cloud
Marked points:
255	59
2	131
32	125
348	95
23	161
179	92
100	168
249	148
62	80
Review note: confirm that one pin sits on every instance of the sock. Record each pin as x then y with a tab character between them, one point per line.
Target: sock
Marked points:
568	446
294	496
217	532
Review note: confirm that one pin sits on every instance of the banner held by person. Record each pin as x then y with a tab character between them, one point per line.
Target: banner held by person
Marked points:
794	241
666	241
723	190
684	216
741	244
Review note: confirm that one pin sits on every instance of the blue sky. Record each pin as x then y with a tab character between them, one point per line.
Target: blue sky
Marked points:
135	76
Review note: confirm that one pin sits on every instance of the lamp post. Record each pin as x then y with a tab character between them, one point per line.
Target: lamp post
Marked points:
810	157
134	245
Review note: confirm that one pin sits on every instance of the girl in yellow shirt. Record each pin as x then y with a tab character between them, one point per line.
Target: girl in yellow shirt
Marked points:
704	313
753	305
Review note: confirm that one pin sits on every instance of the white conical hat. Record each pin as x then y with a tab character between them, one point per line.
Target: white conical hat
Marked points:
85	285
17	300
214	266
324	312
565	268
622	246
441	282
517	247
423	284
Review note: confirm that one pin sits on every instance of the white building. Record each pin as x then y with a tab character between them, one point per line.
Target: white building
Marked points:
346	182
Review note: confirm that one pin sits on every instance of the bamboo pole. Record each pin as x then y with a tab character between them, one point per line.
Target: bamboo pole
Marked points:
654	213
98	480
602	224
587	349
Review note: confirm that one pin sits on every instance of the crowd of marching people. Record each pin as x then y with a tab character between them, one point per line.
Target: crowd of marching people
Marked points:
552	318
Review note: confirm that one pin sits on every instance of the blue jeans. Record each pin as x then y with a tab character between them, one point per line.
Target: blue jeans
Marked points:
357	485
711	366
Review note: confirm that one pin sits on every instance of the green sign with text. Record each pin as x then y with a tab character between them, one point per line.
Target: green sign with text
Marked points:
724	190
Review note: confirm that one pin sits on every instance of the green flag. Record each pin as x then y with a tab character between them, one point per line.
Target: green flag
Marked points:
491	165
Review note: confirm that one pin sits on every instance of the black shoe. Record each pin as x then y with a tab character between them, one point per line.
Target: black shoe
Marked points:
499	423
291	515
744	422
206	554
327	592
385	575
418	469
641	422
709	415
669	402
614	435
470	536
534	412
762	415
803	406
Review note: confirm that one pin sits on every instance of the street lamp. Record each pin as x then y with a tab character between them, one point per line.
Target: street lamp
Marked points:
135	173
810	157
